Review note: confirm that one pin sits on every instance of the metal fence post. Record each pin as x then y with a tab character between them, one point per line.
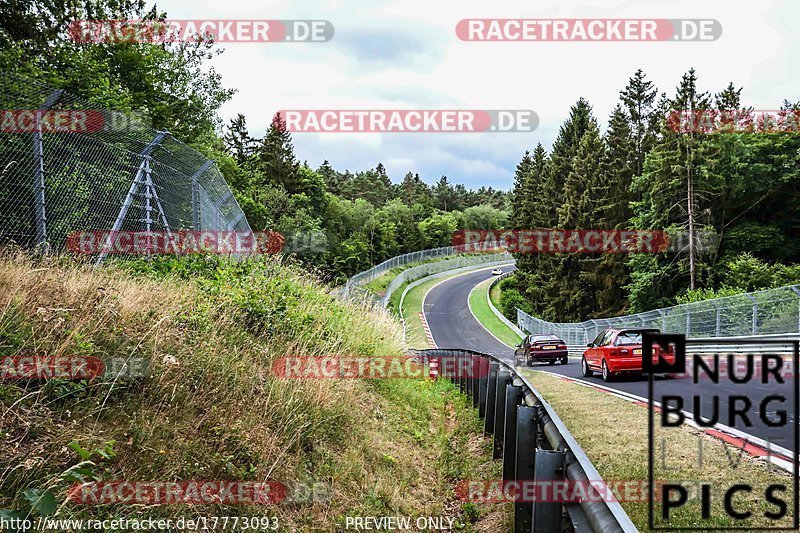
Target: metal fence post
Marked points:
196	194
503	381
491	391
549	466
527	427
755	313
797	292
513	397
38	173
688	322
137	182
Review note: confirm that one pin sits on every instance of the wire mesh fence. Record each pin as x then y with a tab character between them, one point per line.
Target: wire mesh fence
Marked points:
68	166
354	288
771	311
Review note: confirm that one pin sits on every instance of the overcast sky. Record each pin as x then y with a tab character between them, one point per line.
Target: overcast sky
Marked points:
404	54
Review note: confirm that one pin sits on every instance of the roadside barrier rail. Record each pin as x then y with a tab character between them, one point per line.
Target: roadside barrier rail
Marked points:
533	443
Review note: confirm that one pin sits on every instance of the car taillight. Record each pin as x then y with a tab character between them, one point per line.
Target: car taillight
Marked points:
623	351
562	346
536	347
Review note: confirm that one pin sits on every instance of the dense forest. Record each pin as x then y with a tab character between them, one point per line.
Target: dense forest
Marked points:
645	173
639	173
339	222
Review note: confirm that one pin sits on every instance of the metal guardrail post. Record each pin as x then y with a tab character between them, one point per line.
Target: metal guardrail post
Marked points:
549	465
475	369
527	428
491	391
483	379
503	381
513	397
460	373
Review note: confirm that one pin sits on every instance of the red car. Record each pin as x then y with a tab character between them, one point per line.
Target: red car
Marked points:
541	349
618	351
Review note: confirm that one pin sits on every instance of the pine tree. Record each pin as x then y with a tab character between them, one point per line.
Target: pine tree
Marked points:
620	167
277	162
585	195
546	271
238	141
519	195
639	99
678	186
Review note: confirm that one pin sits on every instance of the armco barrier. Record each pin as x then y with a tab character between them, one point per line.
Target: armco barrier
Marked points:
354	287
533	443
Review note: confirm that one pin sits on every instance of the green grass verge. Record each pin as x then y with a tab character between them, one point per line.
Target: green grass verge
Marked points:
494	295
613	433
210	407
479	305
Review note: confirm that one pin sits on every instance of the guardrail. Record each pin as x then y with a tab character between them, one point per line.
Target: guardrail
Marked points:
533	443
353	288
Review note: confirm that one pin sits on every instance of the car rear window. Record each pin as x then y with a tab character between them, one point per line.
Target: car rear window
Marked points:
629	337
545	338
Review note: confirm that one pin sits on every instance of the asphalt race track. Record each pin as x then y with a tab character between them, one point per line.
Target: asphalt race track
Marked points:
453	326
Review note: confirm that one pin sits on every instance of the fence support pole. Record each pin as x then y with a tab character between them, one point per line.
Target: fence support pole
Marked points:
137	181
797	292
525	458
688	322
39	196
491	391
755	313
549	466
513	397
503	381
196	194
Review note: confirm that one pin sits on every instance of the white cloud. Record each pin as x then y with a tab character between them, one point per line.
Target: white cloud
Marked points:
405	54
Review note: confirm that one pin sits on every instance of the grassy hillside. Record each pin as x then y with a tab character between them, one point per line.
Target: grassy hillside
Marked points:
210	408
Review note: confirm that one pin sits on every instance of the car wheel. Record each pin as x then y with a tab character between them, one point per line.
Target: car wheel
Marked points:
565	361
551	362
585	370
606	373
